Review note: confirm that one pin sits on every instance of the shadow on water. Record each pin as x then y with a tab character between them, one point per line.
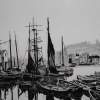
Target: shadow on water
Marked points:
4	89
33	91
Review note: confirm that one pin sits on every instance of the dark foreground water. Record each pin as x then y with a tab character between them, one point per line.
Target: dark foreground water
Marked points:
79	70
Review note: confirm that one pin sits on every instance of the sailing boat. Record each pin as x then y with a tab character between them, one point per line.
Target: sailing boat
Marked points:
64	69
12	72
16	71
5	75
32	68
51	53
53	82
27	75
53	69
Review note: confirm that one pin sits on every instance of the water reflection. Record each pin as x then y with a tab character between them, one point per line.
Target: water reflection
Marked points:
16	90
13	91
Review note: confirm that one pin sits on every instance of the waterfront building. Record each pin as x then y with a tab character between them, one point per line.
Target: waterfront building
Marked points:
94	59
84	58
81	53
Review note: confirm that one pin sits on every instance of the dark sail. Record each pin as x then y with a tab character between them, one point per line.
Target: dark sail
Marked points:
51	53
31	65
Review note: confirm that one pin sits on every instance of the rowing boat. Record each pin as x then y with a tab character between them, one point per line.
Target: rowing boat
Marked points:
86	79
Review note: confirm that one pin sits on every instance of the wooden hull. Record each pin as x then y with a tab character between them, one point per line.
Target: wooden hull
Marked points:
52	86
10	76
86	79
66	71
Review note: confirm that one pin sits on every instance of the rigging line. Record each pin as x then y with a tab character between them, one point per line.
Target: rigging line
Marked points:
4	42
91	96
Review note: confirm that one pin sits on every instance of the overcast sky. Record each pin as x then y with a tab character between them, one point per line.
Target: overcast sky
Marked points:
76	20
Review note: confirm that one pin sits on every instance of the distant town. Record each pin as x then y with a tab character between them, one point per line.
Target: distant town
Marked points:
84	53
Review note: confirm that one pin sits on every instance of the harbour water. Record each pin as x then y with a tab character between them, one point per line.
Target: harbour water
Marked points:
78	70
84	70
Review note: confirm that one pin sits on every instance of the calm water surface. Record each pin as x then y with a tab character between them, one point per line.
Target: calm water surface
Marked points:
79	70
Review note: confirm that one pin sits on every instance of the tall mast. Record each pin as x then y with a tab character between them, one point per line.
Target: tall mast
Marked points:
29	42
35	43
16	51
36	51
62	51
10	50
47	40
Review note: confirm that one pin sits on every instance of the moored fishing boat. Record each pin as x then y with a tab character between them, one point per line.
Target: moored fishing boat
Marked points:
57	87
11	73
67	70
97	74
53	82
86	79
33	68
